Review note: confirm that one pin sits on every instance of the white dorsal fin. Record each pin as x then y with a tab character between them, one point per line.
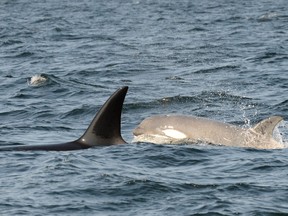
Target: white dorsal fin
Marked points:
266	126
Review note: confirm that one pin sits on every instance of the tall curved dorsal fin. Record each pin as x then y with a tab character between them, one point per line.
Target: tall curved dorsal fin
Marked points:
266	126
105	129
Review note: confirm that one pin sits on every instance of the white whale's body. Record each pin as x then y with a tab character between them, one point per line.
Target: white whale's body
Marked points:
176	129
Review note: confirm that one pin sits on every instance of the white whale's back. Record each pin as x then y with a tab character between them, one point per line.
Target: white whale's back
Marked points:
174	129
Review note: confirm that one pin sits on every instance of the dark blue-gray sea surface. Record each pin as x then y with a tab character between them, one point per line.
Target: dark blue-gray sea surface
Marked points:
225	60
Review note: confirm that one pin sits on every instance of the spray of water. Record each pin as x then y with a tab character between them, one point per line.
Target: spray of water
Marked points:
37	80
280	133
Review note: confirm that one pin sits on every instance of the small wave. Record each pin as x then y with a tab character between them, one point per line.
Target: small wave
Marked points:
10	42
78	112
37	80
271	56
174	78
24	54
179	100
282	106
268	16
197	29
205	96
215	69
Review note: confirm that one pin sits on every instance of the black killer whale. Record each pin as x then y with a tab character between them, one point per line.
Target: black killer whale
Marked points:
104	130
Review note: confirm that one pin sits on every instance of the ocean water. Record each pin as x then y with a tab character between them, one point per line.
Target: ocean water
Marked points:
226	60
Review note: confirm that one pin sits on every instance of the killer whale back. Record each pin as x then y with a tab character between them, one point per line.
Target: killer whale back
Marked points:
105	129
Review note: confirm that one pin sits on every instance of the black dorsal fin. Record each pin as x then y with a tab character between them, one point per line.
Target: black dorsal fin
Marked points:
105	129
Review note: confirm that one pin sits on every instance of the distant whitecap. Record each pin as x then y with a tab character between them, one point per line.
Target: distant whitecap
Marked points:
37	80
268	16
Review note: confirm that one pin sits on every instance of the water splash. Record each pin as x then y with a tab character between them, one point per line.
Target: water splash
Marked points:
37	80
280	133
247	110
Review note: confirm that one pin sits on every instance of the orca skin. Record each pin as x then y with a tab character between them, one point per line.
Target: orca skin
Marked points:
177	129
104	130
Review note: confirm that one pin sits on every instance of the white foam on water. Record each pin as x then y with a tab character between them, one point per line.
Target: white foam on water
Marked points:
37	80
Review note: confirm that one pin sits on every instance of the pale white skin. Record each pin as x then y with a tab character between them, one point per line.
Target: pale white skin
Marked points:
177	129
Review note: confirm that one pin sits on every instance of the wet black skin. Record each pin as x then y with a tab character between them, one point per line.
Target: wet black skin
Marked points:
105	129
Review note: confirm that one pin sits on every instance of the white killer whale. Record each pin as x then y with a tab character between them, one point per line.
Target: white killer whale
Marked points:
105	129
177	129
